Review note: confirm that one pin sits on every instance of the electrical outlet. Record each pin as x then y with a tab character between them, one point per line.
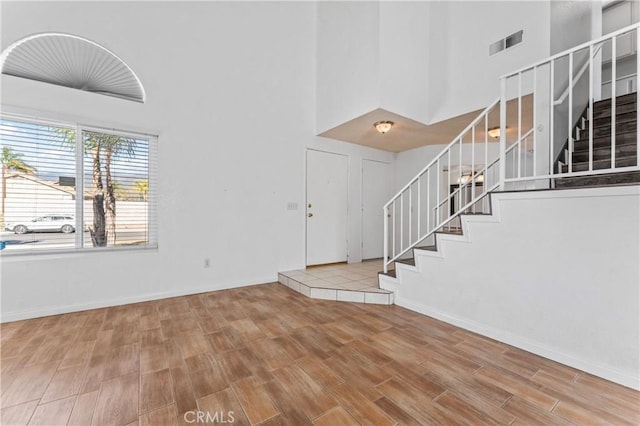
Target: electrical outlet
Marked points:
207	262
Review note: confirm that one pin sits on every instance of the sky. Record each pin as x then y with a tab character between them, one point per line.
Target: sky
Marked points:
44	147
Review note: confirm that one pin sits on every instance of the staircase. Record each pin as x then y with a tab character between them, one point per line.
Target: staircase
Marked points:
410	258
480	239
625	145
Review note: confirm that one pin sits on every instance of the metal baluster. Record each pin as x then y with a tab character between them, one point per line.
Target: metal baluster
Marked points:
614	73
570	118
486	156
519	174
535	117
419	204
459	176
591	107
448	212
428	202
402	221
552	78
410	214
503	136
437	212
385	248
394	230
473	166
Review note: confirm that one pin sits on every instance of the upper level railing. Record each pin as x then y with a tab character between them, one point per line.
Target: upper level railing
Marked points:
544	110
552	103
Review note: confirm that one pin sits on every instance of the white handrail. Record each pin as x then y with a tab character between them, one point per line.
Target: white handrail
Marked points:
570	161
564	95
574	49
404	220
436	158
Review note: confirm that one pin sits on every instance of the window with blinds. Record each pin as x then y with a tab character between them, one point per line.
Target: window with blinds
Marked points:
68	187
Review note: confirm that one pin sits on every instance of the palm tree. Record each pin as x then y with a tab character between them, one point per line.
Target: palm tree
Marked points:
12	161
142	186
103	148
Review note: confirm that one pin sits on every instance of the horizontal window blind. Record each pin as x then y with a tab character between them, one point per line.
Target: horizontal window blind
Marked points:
67	187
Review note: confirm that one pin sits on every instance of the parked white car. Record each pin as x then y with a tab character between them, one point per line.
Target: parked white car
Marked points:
48	223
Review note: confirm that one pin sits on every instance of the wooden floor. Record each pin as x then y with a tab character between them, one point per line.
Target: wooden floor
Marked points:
268	355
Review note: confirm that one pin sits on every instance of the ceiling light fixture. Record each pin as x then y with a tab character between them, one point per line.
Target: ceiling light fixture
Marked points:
466	178
383	126
494	132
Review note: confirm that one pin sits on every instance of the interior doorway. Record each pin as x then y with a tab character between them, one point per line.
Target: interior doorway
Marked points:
376	185
327	207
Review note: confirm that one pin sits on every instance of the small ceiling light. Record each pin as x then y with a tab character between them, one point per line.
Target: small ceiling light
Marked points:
494	132
466	178
383	126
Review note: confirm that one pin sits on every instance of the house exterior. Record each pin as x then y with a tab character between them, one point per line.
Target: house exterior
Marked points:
28	197
237	94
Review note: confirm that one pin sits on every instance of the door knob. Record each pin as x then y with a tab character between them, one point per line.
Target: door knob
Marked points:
309	214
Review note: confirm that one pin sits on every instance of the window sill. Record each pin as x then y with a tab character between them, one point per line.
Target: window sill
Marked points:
9	257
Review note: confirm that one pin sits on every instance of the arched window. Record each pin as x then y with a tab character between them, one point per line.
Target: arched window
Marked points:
72	61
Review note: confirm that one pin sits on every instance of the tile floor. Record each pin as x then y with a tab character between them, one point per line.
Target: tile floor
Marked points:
274	357
353	282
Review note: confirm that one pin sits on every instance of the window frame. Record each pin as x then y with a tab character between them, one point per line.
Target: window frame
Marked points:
79	126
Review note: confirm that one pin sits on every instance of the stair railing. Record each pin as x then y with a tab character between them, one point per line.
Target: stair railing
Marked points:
537	111
530	106
453	182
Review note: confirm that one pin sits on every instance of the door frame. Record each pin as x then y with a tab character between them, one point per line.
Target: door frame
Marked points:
361	202
306	198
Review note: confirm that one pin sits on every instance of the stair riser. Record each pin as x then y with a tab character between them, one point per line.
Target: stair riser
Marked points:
604	131
599	113
599	165
620	100
621	139
606	121
625	151
615	179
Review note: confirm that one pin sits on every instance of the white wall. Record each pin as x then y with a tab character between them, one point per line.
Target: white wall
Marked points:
472	78
231	94
581	308
427	61
212	72
572	23
348	58
405	39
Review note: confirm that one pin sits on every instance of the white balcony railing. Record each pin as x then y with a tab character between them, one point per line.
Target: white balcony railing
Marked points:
553	105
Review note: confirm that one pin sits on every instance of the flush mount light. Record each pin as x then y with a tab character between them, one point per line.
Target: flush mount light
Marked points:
464	179
494	132
383	126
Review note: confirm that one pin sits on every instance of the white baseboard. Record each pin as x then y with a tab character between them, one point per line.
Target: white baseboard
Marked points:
606	372
57	310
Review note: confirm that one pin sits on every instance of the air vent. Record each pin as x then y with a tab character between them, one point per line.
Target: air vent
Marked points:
506	43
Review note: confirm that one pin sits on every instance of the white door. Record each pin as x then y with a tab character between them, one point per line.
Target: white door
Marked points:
327	179
376	183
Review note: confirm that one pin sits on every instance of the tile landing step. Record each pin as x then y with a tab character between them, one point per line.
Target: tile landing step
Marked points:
368	295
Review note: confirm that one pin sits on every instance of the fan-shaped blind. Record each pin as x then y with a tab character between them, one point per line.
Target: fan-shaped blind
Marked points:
72	61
